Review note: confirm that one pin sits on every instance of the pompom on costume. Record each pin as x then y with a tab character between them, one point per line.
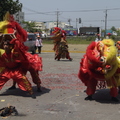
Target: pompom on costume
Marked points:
100	67
60	44
12	31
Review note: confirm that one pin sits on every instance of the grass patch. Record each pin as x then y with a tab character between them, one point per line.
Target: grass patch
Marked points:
47	41
72	40
78	39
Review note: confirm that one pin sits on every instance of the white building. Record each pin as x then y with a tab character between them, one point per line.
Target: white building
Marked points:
40	25
19	17
60	24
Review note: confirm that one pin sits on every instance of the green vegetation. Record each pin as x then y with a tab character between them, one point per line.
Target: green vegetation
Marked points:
72	40
79	39
47	41
9	6
29	26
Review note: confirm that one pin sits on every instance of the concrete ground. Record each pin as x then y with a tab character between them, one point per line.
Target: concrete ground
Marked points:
62	96
73	48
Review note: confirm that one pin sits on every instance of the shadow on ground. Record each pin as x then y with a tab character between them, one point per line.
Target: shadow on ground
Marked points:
103	96
19	92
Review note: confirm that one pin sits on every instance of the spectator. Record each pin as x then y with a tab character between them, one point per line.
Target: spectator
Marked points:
98	38
38	44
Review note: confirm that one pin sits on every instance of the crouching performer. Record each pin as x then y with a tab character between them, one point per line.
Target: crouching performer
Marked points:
12	31
11	62
100	66
60	44
33	64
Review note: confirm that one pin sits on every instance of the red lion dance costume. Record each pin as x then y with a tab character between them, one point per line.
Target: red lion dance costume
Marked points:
100	67
60	44
12	31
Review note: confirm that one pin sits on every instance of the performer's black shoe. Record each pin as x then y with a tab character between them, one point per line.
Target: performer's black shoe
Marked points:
33	96
70	59
12	88
39	90
118	91
89	97
114	99
56	57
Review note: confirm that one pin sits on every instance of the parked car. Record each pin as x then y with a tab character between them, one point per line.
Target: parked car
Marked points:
30	42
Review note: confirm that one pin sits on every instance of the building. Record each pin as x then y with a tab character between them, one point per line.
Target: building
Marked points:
43	26
19	17
54	24
40	25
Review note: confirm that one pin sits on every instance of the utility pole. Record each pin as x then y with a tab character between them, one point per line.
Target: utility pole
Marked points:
57	18
69	20
76	22
105	22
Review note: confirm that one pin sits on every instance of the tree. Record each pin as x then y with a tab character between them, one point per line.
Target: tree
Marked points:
30	26
9	5
113	28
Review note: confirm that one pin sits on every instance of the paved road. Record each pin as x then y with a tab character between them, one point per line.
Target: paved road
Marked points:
62	96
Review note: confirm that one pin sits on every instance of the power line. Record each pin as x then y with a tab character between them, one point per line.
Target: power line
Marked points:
57	13
36	12
47	13
92	10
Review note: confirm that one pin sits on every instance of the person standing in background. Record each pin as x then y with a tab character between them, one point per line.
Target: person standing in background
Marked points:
98	38
38	44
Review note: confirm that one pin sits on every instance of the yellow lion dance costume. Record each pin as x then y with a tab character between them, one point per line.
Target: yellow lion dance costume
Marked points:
100	66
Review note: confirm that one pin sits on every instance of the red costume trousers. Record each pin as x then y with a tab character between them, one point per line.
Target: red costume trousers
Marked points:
17	76
91	87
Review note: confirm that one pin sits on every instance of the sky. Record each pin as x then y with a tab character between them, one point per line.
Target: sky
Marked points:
91	12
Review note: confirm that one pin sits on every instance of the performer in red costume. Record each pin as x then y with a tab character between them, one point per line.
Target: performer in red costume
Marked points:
100	67
11	61
12	31
60	44
33	65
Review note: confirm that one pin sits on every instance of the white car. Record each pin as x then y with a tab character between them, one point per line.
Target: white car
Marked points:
43	35
114	33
